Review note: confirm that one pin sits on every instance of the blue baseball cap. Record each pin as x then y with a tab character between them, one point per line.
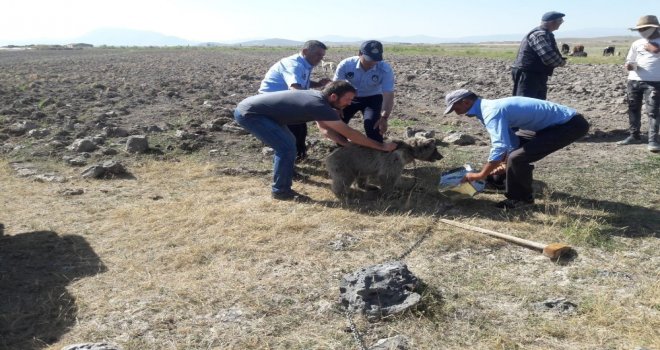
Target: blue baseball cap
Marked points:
372	50
551	16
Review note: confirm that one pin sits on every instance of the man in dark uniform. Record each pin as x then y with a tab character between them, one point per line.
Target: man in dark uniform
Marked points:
537	58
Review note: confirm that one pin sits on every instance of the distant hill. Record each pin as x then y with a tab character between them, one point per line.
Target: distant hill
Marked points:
131	37
270	42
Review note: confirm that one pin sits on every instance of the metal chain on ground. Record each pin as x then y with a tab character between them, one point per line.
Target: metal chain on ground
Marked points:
356	334
425	235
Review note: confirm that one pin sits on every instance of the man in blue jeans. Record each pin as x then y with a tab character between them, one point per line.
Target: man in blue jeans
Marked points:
266	116
554	126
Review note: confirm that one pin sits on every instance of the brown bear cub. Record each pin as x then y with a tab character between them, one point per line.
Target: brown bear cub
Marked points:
355	164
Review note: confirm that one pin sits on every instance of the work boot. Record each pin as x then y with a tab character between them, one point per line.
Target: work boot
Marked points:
630	140
653	146
290	196
509	204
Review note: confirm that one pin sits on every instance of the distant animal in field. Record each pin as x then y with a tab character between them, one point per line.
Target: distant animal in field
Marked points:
608	51
565	49
328	66
578	51
359	165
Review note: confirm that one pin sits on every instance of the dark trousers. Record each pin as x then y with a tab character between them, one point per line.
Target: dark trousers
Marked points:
370	106
637	92
536	147
529	84
299	131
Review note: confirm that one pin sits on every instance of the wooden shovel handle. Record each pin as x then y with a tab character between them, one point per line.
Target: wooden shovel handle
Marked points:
512	239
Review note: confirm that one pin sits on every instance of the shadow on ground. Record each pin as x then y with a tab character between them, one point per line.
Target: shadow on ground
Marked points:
35	268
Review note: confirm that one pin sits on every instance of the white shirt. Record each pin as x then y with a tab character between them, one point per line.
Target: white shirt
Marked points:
648	64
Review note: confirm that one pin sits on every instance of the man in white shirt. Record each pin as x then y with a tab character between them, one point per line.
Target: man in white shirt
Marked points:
643	65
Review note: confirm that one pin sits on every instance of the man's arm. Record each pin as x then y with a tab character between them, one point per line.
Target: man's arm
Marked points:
386	111
333	135
355	136
486	170
548	53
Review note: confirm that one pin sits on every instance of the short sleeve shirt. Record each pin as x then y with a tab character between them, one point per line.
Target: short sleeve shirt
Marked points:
375	81
501	115
648	63
288	71
289	107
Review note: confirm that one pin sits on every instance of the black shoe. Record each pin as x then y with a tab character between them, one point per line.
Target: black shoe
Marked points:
514	204
630	140
290	196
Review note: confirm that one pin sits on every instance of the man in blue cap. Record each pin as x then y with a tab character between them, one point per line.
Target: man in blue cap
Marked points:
554	126
374	80
537	58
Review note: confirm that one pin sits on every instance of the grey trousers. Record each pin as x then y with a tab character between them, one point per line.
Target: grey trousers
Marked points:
535	147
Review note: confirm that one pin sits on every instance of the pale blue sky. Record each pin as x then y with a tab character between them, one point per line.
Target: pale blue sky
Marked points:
222	20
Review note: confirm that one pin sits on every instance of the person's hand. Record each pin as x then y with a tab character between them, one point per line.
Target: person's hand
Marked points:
501	169
381	125
389	146
652	47
469	177
630	66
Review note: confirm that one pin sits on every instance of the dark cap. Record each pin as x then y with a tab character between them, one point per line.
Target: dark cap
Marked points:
372	50
551	16
455	96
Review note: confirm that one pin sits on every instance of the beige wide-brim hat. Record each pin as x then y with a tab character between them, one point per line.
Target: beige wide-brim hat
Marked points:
646	22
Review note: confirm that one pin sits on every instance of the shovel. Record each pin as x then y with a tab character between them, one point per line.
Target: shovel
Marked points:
554	251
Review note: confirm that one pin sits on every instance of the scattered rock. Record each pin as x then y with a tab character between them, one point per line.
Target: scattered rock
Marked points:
380	290
559	304
137	144
83	145
398	342
459	139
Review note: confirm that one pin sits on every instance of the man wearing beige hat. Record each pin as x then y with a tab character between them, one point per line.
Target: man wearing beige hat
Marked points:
643	65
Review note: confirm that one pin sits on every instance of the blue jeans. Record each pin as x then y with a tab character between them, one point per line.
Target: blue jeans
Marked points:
280	138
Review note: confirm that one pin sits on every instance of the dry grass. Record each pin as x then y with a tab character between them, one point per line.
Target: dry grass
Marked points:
216	264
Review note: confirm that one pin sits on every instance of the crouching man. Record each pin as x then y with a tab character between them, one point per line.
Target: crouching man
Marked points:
266	116
552	127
